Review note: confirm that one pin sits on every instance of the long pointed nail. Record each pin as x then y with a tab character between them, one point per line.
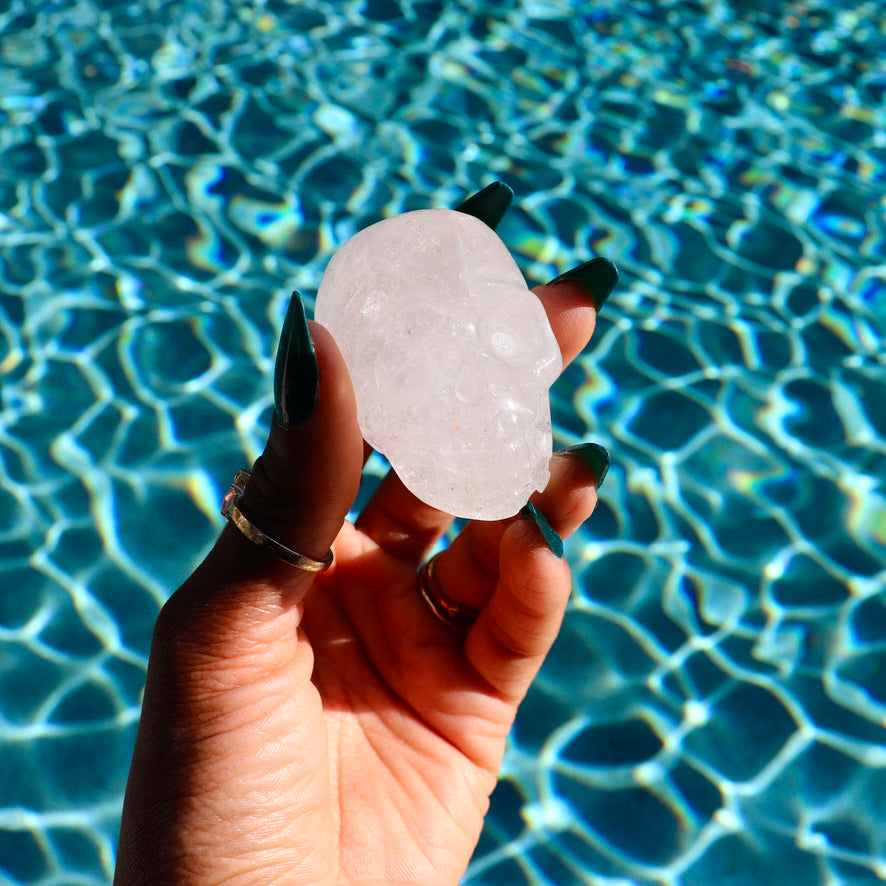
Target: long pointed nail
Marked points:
489	205
595	456
552	539
597	277
296	374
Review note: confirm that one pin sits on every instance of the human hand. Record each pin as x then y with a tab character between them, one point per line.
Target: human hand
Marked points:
346	735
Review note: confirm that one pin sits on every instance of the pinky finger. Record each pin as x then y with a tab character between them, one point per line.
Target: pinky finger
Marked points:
517	627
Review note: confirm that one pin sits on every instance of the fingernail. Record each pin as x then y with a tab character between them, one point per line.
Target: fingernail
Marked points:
296	374
553	540
595	456
489	205
597	276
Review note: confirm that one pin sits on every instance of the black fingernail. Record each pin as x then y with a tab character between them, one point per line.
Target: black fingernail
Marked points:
597	276
489	205
595	456
553	540
296	374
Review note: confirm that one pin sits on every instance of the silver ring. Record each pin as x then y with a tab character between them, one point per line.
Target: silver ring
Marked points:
231	512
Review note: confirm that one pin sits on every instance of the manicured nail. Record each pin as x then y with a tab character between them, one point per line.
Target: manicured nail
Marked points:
489	205
597	276
296	374
595	456
554	542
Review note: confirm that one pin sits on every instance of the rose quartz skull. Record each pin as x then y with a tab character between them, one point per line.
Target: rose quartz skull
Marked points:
451	357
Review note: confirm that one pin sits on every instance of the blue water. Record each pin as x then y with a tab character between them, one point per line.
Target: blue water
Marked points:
715	709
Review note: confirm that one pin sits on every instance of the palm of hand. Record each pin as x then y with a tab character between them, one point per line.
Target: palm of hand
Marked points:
353	740
412	732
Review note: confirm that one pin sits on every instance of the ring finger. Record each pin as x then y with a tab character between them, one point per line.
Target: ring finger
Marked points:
468	571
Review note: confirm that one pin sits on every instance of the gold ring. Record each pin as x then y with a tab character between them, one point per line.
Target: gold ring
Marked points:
232	513
457	617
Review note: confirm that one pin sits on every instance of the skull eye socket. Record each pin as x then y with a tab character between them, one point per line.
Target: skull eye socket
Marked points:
503	343
497	338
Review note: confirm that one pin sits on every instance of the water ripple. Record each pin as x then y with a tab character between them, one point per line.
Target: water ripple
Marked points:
171	171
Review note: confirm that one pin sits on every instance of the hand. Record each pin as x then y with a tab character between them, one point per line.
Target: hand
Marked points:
345	735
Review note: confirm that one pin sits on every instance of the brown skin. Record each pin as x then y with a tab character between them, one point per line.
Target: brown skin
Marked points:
346	738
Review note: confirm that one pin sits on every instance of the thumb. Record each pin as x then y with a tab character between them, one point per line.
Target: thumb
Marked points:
305	481
228	694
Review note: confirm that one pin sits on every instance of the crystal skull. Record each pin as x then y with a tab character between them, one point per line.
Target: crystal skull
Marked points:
451	357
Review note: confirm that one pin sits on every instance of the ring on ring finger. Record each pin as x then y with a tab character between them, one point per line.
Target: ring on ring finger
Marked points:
458	617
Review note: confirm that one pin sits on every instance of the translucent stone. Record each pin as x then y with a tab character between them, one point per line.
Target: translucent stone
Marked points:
451	357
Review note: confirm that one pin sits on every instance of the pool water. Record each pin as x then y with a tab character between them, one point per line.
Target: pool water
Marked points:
715	709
